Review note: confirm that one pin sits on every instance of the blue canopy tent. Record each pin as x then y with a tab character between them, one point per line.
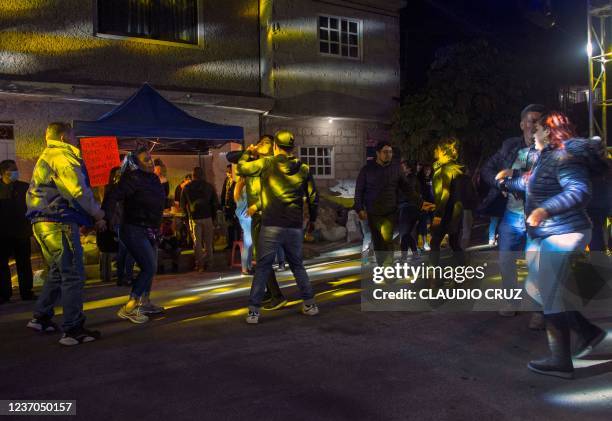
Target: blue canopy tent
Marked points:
148	115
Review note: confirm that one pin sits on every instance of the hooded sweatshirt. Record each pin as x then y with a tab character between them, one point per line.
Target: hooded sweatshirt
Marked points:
285	181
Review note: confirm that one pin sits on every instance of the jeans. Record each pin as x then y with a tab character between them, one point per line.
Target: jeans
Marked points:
271	283
381	227
512	239
408	218
367	236
202	229
63	254
20	248
246	256
494	222
270	239
144	251
548	260
280	256
125	262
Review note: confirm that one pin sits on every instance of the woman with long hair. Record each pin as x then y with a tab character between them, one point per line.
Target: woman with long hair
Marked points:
557	190
240	197
143	200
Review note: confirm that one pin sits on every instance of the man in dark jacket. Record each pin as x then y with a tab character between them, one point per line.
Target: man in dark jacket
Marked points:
200	202
376	199
263	148
15	233
285	182
516	153
447	187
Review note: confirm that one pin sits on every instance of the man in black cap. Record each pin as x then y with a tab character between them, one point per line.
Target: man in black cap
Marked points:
274	297
285	181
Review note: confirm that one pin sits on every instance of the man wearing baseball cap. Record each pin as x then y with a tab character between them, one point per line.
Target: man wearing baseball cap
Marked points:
285	181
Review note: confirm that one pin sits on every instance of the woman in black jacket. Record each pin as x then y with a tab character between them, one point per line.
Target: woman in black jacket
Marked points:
557	191
143	200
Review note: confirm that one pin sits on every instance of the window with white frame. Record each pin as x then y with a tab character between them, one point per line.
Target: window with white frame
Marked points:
320	159
7	140
339	37
162	20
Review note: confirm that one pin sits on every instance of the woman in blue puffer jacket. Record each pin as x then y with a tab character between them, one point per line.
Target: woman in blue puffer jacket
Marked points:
557	191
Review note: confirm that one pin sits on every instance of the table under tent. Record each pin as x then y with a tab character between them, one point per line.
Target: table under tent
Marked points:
147	117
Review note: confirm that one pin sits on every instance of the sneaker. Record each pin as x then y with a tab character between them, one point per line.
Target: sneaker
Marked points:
275	304
310	309
252	318
537	321
134	316
548	368
426	247
150	308
79	336
280	268
41	325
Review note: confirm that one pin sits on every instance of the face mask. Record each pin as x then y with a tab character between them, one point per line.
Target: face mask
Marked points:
14	176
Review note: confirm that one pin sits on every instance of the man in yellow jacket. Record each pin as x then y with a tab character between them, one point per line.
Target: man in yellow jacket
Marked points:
59	201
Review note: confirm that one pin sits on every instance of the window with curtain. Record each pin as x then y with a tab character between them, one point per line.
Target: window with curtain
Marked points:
164	20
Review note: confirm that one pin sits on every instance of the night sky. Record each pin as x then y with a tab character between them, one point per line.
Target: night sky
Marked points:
554	30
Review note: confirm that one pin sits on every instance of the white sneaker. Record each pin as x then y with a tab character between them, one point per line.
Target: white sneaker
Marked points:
252	318
310	309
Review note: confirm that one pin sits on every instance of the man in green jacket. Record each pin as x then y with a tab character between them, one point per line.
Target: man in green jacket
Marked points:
285	181
263	148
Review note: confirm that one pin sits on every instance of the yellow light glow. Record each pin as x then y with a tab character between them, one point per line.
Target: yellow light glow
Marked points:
46	43
346	292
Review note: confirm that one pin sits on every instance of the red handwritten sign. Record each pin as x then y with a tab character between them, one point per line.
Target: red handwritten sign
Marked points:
101	155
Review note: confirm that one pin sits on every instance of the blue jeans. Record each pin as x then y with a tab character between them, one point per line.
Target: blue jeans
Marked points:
125	262
512	239
63	253
548	260
246	256
144	252
270	239
494	222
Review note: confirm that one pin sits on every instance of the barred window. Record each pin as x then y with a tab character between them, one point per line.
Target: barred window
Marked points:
339	36
7	140
319	159
164	20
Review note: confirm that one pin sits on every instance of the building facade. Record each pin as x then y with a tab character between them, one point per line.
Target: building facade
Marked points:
326	69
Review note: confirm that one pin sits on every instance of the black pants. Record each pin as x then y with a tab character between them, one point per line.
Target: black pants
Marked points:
271	283
408	218
454	241
381	228
19	248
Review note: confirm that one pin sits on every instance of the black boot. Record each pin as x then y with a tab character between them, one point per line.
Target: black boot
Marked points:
559	364
589	335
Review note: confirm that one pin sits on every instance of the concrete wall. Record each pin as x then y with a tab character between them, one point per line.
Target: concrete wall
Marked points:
305	82
54	41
